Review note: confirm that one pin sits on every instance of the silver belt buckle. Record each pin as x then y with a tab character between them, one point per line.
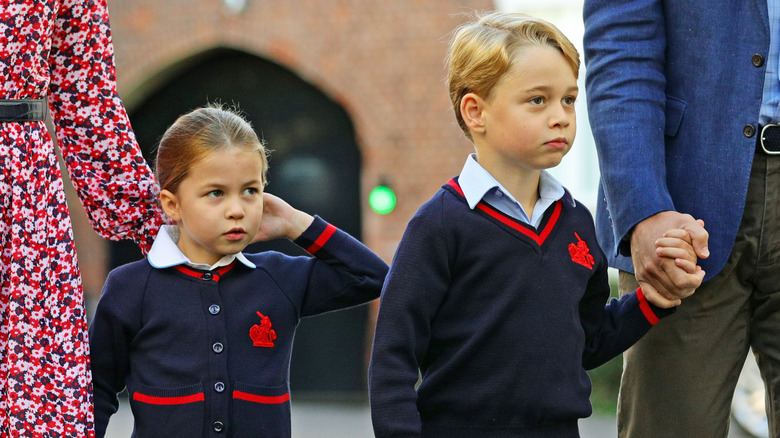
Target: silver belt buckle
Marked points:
763	138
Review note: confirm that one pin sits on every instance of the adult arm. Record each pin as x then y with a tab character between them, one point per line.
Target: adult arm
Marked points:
111	177
418	280
624	54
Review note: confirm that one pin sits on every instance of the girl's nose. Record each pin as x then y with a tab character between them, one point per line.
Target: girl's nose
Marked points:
234	210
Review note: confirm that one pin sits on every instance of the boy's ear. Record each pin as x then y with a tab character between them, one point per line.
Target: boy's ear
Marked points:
472	108
170	204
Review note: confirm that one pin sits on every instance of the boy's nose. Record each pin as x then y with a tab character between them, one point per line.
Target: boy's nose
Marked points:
561	116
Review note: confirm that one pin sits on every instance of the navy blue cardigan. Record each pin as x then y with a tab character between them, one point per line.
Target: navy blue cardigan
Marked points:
501	320
208	353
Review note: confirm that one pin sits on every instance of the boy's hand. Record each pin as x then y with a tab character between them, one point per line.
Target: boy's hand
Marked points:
662	275
677	244
652	296
280	220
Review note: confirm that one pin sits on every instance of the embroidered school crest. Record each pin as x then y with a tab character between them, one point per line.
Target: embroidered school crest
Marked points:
580	253
262	334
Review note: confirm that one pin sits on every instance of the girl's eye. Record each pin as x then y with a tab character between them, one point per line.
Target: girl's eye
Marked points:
251	191
569	100
214	193
537	101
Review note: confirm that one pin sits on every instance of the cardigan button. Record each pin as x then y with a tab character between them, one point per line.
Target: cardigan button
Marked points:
218	426
748	131
214	309
217	347
757	60
206	276
219	387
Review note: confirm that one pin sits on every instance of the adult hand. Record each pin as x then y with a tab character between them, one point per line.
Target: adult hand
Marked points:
660	276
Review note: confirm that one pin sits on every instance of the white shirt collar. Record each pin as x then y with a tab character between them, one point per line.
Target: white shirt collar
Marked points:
475	182
165	253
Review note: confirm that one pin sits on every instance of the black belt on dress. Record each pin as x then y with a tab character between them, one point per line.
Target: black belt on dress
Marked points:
22	110
769	139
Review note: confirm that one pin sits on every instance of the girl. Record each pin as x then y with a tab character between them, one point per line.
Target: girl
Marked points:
199	333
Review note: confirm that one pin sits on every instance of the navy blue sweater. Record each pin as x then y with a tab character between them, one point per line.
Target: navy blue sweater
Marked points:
208	353
501	321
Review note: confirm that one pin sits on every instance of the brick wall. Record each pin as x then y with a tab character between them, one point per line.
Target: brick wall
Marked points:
383	61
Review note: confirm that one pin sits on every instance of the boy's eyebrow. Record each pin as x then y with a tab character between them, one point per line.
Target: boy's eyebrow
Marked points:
547	88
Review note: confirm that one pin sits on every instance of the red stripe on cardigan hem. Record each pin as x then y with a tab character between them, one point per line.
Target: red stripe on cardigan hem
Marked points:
152	400
645	307
330	230
261	398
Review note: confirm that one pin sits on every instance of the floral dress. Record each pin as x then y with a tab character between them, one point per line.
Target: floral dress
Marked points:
60	50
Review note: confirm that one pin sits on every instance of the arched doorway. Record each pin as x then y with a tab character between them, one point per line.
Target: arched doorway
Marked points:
314	165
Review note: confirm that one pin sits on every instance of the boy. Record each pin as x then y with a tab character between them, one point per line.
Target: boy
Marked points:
502	311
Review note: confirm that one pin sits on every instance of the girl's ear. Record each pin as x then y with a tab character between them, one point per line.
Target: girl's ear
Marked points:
472	108
170	204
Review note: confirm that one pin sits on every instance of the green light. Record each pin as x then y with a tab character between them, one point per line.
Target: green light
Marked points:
382	199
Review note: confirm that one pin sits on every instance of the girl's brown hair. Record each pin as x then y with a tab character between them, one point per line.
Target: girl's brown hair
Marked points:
198	133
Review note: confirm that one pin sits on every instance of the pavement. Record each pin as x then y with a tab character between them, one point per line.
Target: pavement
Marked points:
352	420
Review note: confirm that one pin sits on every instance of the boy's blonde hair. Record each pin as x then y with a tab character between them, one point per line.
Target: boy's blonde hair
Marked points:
483	49
196	134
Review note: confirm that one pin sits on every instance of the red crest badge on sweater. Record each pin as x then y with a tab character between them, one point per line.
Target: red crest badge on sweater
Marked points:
580	253
262	334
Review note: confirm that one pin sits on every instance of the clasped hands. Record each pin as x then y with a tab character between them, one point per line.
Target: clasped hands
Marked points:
665	249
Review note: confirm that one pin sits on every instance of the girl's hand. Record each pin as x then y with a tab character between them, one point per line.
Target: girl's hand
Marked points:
280	220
